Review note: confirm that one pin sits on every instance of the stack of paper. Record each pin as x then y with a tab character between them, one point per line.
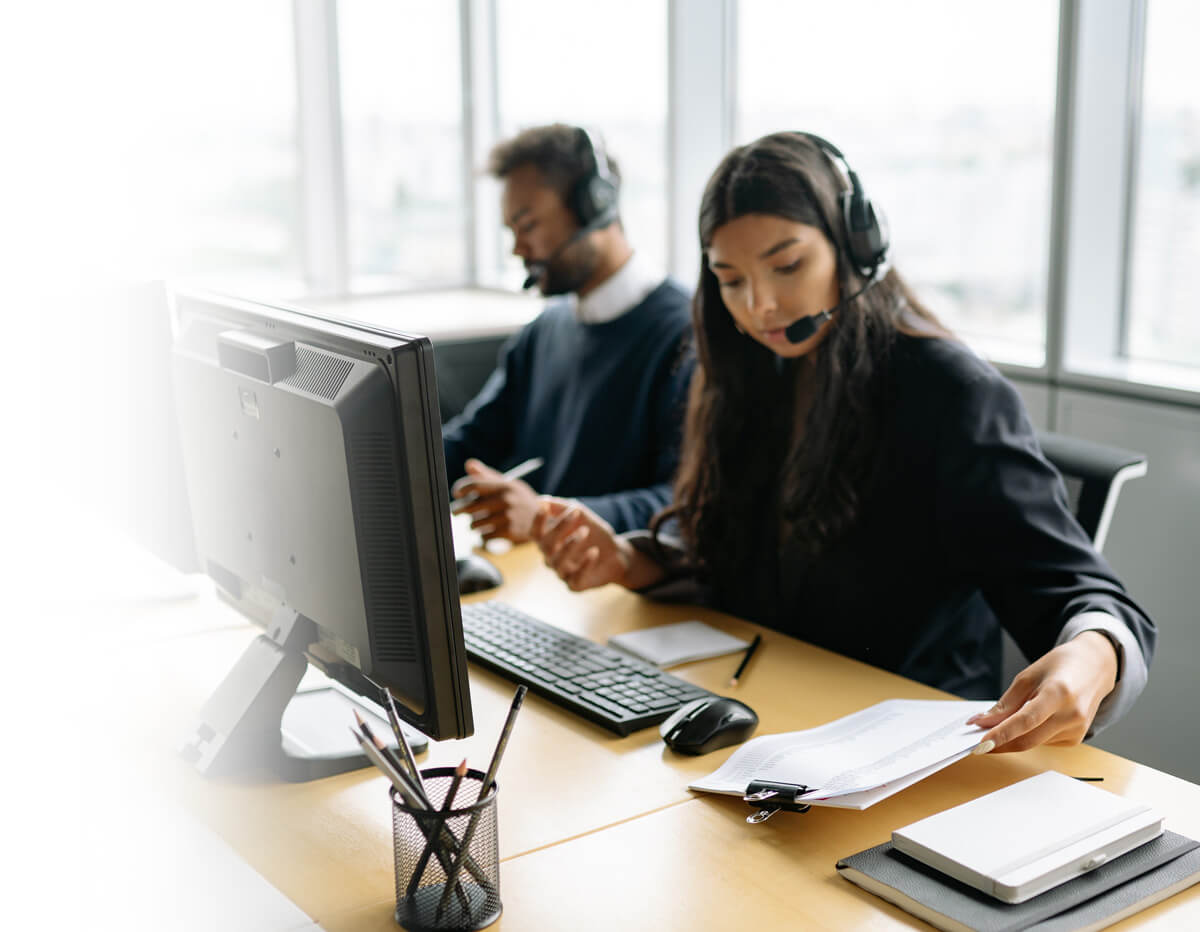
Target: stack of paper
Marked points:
682	642
858	760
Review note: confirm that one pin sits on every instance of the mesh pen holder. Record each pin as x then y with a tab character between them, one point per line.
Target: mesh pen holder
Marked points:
428	847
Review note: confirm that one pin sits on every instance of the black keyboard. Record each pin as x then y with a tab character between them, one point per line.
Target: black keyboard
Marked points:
604	685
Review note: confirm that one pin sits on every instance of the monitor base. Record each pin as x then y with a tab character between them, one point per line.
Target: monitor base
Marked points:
260	718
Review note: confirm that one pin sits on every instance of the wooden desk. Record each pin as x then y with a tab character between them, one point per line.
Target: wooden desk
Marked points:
598	831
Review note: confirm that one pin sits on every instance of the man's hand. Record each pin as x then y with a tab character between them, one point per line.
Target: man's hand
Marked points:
1054	699
498	507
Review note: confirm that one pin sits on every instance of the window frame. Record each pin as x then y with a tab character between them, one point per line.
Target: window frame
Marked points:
1101	52
1102	59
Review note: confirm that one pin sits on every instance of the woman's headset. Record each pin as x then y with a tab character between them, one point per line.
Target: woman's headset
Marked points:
866	226
866	241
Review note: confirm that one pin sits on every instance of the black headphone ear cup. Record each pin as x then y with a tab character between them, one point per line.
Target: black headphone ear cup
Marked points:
594	196
867	235
866	231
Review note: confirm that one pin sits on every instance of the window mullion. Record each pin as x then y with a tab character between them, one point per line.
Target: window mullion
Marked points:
1094	232
481	121
701	72
322	168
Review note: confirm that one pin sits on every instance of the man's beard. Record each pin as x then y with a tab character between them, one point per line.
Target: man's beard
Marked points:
570	271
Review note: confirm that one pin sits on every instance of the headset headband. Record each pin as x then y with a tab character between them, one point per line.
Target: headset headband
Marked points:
866	226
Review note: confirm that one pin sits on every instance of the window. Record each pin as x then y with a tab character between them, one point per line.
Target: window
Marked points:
585	64
206	115
1163	317
401	87
945	110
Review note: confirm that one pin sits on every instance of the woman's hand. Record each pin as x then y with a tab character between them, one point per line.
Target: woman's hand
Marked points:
1054	699
585	551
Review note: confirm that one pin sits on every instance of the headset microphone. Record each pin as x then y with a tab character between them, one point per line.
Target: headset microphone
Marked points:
538	269
805	327
867	239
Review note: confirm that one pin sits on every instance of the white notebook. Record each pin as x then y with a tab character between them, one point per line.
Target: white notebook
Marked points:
1029	837
684	641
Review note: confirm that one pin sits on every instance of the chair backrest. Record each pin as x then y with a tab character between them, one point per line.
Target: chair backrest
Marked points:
1093	474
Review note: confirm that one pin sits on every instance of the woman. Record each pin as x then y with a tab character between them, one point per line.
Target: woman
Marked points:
853	476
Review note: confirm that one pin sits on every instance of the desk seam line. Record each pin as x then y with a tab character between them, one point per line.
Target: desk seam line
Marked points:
599	828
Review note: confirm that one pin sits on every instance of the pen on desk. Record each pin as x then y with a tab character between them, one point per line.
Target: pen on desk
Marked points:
733	680
468	834
520	471
1091	779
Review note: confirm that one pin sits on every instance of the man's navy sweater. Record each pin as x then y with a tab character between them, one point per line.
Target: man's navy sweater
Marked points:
602	404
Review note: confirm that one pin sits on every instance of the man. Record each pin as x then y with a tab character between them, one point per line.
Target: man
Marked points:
596	385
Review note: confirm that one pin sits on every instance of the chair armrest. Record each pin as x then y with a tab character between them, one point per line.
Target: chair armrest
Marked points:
1090	461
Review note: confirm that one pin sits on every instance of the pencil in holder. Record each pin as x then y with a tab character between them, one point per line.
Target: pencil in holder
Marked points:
447	859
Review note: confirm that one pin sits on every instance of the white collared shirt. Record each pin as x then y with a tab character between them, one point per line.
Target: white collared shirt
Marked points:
621	292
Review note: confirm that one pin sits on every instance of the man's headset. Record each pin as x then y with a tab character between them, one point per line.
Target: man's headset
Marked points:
594	197
593	200
867	239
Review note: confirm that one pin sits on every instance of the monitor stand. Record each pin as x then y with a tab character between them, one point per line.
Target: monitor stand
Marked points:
261	719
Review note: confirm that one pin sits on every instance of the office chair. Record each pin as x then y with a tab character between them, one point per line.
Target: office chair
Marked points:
1093	475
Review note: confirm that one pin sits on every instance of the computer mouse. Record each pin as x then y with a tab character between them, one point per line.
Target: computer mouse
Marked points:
476	574
708	723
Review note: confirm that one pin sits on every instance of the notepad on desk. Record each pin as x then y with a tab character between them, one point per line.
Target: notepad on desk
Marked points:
1026	838
855	761
682	642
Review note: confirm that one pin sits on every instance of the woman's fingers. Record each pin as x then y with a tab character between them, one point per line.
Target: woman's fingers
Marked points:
1017	730
548	509
581	579
1055	698
568	555
577	544
561	532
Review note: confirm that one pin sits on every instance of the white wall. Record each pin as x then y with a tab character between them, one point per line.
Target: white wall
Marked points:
1153	545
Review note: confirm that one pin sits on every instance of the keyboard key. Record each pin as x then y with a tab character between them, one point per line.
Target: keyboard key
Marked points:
600	702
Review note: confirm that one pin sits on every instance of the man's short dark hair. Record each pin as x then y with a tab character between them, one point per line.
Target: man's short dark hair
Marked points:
557	151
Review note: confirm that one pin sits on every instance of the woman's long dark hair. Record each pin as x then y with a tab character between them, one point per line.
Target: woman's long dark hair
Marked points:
771	450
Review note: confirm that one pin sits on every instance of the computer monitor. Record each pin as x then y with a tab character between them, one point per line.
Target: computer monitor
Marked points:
313	458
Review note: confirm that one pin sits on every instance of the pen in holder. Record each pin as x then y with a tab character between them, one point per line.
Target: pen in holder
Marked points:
455	847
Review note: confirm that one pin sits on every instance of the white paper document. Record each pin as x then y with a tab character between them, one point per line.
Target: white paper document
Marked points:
856	761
